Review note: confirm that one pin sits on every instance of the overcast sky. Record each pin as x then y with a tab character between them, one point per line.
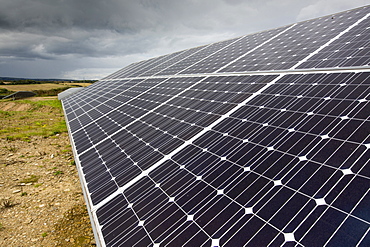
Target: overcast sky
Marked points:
90	39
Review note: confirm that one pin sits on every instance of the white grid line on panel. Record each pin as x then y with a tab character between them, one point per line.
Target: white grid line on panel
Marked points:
296	191
309	97
134	68
347	216
122	70
306	196
294	24
338	169
173	97
143	64
363	237
224	47
113	120
330	206
330	41
355	69
82	97
165	206
171	64
221	58
187	97
282	177
166	60
121	223
281	137
254	134
231	201
118	95
97	232
164	66
116	144
255	48
167	157
180	208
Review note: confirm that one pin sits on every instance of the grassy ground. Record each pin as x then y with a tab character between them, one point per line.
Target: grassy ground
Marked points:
46	89
41	202
34	119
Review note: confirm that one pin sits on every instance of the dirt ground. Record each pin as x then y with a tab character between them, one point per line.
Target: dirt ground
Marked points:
41	201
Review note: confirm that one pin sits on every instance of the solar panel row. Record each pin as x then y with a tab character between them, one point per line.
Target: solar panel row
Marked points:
277	49
153	123
190	149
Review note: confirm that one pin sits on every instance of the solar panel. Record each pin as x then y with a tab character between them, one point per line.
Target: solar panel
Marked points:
253	141
298	42
350	50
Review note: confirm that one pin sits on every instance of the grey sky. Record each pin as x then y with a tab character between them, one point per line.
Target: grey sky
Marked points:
89	39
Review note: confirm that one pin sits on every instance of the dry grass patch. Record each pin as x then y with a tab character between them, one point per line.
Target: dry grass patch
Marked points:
32	87
23	119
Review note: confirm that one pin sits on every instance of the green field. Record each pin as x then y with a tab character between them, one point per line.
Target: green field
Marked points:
22	119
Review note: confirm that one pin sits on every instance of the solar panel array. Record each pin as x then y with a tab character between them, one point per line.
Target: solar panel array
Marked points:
261	140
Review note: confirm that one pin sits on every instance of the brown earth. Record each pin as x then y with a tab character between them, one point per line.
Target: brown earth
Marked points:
9	105
12	106
41	201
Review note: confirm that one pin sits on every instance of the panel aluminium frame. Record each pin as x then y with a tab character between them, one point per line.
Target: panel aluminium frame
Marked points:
94	223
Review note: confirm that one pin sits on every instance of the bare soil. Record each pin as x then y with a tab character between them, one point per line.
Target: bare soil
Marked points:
12	106
9	105
41	201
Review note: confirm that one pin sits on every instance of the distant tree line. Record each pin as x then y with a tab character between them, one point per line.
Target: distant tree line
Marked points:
30	81
50	92
84	81
4	91
20	82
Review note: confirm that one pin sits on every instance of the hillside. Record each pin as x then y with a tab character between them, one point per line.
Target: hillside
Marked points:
36	79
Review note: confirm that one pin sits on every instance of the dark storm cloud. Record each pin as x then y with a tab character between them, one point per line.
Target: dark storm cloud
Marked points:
75	27
120	16
48	29
64	31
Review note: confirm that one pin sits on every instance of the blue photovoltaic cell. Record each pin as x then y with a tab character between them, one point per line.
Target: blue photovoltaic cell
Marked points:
196	148
201	54
259	174
231	52
295	44
352	49
157	63
160	64
143	121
